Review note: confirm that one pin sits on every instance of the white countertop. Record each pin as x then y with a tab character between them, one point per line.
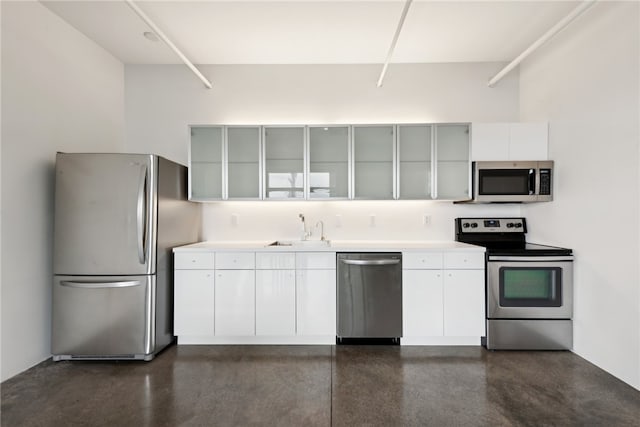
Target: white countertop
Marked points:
336	246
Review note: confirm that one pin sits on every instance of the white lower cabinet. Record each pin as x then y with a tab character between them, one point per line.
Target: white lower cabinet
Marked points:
464	313
316	302
193	302
422	309
235	302
275	302
290	298
444	302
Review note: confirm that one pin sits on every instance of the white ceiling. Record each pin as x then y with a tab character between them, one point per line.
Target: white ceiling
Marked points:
315	32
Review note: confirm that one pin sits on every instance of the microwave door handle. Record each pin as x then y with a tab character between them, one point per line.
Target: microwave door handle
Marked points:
532	181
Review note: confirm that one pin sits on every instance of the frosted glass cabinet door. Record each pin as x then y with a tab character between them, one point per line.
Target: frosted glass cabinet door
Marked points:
373	162
243	162
452	152
206	163
414	142
284	162
328	162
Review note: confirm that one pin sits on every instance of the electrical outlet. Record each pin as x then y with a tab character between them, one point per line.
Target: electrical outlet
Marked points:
235	220
372	220
426	219
338	221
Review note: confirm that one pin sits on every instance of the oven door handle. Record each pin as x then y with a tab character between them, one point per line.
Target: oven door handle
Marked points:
531	258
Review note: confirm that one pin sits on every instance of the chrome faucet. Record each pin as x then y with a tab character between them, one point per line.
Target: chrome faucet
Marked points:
304	235
321	224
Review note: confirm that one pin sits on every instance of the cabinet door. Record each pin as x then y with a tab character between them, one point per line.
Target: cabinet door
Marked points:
373	162
422	306
235	302
452	152
193	302
414	161
276	302
490	141
243	162
205	163
284	162
528	141
464	303
316	302
328	162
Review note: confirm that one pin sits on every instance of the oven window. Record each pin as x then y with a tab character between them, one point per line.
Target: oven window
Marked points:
494	182
530	286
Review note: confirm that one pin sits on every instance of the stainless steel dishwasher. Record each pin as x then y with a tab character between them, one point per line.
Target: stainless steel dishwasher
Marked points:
369	296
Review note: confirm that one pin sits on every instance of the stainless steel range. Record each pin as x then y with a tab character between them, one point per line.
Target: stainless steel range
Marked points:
529	287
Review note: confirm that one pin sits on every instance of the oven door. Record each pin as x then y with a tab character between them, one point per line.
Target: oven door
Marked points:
521	287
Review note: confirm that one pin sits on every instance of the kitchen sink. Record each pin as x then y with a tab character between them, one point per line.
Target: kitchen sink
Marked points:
303	243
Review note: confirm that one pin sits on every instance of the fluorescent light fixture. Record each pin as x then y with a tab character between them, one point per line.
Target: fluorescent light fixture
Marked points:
168	42
394	41
583	7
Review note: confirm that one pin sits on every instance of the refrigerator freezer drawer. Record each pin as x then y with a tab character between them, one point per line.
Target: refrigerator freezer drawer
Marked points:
103	317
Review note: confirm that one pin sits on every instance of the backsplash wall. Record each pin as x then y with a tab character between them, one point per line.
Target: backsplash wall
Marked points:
343	220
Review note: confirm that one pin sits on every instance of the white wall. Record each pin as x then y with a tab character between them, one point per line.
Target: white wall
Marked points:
60	92
586	84
162	100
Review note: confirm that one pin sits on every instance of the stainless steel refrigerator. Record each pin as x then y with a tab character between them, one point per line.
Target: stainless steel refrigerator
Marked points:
116	218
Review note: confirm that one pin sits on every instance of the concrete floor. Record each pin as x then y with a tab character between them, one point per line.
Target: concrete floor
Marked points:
322	386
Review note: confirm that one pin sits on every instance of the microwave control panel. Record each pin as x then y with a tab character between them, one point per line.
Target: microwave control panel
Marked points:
545	182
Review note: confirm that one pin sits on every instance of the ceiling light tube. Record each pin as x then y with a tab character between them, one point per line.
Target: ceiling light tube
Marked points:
169	43
583	7
394	41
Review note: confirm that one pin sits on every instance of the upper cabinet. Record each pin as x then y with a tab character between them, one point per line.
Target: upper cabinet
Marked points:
243	162
205	161
374	173
329	166
452	154
433	161
284	162
336	162
415	154
509	141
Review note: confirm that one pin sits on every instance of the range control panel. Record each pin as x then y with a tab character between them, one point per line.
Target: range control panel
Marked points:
491	225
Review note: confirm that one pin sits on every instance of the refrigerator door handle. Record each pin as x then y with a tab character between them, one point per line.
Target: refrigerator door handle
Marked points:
141	214
124	284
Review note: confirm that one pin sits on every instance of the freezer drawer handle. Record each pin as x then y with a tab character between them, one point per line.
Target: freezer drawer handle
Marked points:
371	262
128	284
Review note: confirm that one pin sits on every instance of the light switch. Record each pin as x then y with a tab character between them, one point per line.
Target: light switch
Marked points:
372	220
235	220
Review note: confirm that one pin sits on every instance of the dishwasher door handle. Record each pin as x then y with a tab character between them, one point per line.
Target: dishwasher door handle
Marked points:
371	262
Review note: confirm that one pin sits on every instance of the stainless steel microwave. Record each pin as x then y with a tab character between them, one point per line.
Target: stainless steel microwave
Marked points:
512	181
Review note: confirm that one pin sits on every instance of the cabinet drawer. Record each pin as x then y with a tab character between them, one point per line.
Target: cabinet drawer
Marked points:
235	260
279	261
316	260
193	261
464	260
422	260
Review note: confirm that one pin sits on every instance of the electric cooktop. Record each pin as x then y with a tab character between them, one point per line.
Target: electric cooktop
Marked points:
502	236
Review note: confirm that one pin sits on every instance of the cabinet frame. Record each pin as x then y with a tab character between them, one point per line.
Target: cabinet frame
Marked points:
225	162
306	161
191	162
394	161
